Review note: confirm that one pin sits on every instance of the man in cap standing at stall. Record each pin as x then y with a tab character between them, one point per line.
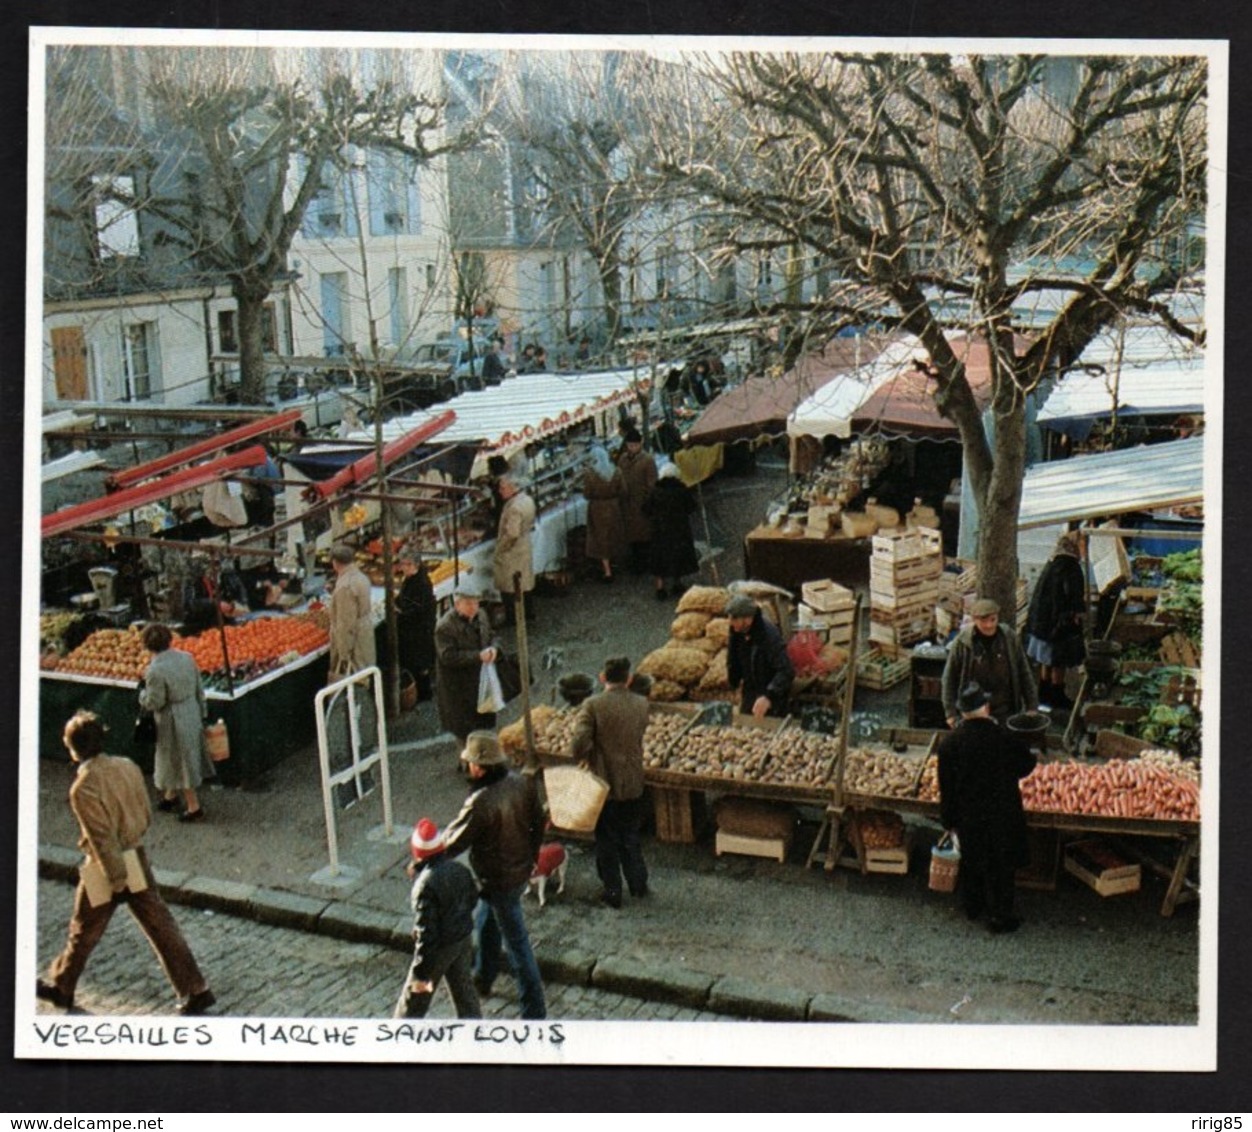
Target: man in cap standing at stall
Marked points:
756	660
608	739
980	764
514	554
463	644
992	655
501	824
638	470
351	616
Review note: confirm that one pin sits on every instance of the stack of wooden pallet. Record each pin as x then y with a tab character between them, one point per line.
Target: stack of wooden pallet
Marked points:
904	571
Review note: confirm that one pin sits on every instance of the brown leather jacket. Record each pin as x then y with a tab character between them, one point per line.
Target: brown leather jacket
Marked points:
501	824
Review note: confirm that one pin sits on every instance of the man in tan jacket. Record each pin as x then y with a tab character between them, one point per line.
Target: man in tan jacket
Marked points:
351	616
514	554
110	801
608	739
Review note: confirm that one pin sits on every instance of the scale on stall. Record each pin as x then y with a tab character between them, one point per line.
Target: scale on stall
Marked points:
104	583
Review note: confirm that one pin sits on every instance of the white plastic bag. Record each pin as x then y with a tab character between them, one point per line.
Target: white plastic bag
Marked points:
490	694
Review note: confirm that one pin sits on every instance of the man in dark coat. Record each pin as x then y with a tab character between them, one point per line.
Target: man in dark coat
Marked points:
638	470
992	655
501	824
463	644
608	739
443	899
415	622
757	660
980	764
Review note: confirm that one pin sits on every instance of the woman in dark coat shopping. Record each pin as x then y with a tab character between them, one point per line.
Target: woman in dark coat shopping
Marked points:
669	508
606	527
1054	625
980	764
415	622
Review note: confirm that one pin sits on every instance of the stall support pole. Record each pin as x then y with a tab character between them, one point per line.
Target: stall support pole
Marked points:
523	664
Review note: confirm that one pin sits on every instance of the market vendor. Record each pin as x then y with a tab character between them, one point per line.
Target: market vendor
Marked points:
756	660
208	593
992	655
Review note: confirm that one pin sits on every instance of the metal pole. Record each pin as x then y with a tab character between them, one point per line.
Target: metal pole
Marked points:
523	664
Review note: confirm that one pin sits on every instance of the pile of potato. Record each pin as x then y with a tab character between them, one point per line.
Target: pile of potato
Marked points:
691	665
552	727
879	771
741	754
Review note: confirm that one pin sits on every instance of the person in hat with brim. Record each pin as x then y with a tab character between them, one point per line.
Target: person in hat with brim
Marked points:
991	654
756	660
464	642
351	616
514	554
980	799
501	825
638	470
443	899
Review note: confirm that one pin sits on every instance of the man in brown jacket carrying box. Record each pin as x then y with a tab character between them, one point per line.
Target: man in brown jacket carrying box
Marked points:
110	801
608	739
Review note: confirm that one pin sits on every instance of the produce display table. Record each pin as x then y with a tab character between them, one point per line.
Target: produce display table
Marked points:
770	556
266	719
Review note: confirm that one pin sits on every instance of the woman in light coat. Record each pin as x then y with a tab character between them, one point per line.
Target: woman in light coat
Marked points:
514	554
606	530
174	693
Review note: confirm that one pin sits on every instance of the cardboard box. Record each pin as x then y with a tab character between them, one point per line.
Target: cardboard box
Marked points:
1101	867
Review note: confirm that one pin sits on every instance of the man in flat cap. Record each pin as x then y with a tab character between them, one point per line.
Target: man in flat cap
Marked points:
638	470
501	824
351	616
463	644
991	654
756	660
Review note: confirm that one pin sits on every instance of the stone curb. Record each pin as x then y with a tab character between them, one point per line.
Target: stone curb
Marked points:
358	924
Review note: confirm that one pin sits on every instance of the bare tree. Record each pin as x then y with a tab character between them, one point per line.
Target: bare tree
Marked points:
577	132
241	142
959	192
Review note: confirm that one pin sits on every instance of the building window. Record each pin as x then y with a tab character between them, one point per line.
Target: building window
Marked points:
335	331
228	334
430	277
332	211
138	360
117	226
394	200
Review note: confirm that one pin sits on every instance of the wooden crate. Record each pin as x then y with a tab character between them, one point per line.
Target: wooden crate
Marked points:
827	596
892	546
1100	868
1114	745
890	575
675	813
809	617
877	676
887	860
773	847
907	606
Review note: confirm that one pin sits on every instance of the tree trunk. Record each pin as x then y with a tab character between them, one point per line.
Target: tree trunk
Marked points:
998	513
611	284
251	305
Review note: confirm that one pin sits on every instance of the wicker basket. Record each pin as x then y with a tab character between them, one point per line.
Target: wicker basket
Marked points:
945	863
575	797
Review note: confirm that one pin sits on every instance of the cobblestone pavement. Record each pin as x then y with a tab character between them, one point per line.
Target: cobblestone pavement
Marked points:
257	970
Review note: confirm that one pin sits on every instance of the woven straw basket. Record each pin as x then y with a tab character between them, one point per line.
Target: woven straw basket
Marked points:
945	863
575	797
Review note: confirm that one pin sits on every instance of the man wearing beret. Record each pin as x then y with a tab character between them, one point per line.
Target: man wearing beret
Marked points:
980	764
501	824
756	660
992	655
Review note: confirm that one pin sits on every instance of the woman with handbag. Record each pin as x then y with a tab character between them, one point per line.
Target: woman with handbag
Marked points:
174	693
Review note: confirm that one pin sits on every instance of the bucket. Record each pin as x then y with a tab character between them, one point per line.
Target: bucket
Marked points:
1029	725
408	691
217	741
945	864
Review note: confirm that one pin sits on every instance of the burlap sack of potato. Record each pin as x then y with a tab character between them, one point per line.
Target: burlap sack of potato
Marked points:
718	631
702	643
677	665
748	817
666	691
715	678
689	625
704	599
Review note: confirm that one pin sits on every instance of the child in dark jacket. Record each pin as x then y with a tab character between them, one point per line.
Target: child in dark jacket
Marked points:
443	898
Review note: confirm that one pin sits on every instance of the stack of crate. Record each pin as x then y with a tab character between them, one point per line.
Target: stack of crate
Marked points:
828	608
904	571
958	585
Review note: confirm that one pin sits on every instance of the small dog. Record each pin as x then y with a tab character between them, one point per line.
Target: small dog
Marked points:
550	865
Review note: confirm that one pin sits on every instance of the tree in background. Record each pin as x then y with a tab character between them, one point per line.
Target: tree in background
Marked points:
987	195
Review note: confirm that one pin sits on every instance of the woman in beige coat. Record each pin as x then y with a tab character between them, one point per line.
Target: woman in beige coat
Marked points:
351	616
514	554
174	693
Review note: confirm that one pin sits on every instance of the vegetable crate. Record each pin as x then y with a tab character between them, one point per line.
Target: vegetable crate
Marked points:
921	542
877	671
1100	867
826	596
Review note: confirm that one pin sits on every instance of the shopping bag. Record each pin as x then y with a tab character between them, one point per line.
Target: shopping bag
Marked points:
490	695
145	729
945	863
